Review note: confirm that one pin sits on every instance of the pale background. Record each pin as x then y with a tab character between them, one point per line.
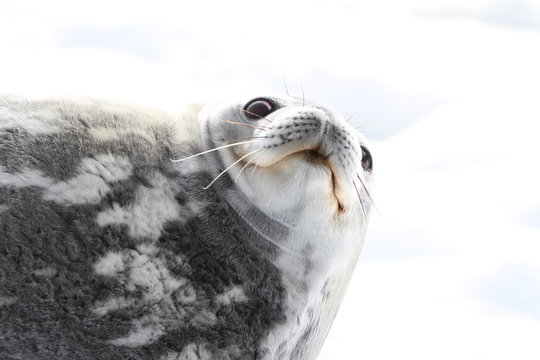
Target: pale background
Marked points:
447	91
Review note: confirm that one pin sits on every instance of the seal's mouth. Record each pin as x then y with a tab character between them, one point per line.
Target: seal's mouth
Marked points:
316	156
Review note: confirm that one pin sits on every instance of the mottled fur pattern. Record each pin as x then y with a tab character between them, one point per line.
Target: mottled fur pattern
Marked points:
111	250
108	251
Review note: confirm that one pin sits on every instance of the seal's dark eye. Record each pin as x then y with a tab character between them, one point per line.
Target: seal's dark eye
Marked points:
258	108
367	161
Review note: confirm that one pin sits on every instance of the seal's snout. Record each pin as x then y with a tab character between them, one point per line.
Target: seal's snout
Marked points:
288	131
311	131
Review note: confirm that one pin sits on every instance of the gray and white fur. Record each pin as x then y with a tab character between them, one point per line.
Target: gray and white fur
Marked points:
110	250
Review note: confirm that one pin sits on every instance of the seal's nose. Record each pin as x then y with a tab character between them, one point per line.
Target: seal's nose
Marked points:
337	138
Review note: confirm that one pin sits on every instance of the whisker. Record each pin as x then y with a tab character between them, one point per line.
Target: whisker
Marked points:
231	141
285	81
249	162
350	117
252	113
214	149
360	200
256	156
242	169
365	189
260	127
361	128
229	167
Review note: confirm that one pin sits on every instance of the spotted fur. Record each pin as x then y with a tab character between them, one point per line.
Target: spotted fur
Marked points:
109	250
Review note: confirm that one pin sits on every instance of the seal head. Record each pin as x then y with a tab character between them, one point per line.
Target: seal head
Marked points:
299	174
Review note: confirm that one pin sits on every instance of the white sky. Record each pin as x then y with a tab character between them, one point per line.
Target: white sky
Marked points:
448	92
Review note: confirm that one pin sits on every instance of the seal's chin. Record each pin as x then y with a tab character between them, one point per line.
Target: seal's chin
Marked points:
339	193
316	156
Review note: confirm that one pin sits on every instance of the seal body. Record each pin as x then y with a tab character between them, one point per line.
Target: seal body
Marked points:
117	242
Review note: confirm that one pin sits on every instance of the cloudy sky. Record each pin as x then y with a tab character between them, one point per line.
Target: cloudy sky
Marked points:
446	90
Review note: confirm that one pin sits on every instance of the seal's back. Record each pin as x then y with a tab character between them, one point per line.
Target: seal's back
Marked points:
108	251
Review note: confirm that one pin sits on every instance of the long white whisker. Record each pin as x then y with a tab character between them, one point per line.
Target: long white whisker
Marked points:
235	140
372	202
360	200
260	117
365	189
285	81
260	127
243	167
230	166
214	149
350	117
256	156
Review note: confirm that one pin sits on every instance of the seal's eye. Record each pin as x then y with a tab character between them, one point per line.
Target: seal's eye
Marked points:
367	161
258	108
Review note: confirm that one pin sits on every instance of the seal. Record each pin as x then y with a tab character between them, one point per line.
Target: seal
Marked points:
229	231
